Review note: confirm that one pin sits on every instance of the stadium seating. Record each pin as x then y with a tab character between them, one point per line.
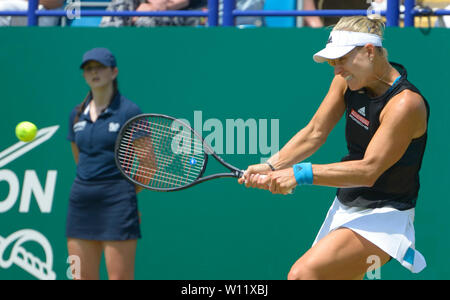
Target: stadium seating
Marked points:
269	5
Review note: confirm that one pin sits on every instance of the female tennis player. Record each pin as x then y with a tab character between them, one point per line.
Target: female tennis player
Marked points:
102	216
378	181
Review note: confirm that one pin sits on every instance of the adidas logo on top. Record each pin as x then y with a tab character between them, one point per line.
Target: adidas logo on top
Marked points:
362	111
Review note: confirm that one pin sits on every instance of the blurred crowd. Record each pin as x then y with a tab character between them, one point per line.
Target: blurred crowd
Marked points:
72	6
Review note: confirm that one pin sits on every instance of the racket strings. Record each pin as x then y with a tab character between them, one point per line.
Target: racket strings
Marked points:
143	152
146	153
165	131
168	178
165	159
140	150
150	167
147	166
162	182
162	161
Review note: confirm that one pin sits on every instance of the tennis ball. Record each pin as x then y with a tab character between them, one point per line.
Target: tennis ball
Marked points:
26	131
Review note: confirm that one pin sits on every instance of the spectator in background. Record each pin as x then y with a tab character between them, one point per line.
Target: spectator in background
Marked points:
159	5
119	5
311	21
22	5
333	4
153	5
249	5
245	5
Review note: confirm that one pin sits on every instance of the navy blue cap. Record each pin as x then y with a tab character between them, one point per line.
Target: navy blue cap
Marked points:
101	55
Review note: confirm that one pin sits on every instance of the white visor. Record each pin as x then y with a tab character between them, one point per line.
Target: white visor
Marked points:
342	42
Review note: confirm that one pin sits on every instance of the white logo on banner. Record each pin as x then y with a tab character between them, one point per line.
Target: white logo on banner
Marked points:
11	247
20	148
24	259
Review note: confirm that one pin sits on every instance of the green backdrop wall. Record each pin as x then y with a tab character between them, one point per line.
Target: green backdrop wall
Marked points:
217	230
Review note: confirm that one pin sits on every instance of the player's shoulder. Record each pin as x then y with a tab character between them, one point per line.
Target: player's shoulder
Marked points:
125	101
338	86
339	83
406	105
408	101
74	111
129	107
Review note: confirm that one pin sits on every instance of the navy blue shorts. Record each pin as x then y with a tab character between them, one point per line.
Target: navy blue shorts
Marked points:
103	211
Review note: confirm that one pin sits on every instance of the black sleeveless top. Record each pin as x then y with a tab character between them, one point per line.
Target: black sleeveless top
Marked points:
399	185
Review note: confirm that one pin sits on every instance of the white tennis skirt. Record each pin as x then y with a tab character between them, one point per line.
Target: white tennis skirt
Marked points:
390	229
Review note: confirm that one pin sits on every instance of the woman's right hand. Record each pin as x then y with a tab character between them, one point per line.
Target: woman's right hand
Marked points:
253	176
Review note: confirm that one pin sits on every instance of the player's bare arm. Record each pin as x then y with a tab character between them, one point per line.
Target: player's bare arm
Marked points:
401	121
308	140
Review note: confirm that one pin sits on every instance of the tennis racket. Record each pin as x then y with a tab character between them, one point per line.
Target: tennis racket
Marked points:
161	153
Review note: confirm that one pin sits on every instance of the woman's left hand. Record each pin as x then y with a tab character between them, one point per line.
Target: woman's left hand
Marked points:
282	181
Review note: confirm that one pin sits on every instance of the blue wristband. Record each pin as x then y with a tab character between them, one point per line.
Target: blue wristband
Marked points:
303	173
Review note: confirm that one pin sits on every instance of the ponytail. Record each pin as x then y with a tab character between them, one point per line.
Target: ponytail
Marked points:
82	105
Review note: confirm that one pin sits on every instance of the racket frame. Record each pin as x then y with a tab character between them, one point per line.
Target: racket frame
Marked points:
207	150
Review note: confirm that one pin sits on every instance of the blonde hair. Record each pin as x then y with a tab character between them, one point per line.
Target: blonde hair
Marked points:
364	24
361	24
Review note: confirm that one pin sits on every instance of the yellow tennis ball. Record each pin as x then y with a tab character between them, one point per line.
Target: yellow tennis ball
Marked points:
26	131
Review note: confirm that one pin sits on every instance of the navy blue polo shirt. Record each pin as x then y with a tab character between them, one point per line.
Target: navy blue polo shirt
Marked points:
96	140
